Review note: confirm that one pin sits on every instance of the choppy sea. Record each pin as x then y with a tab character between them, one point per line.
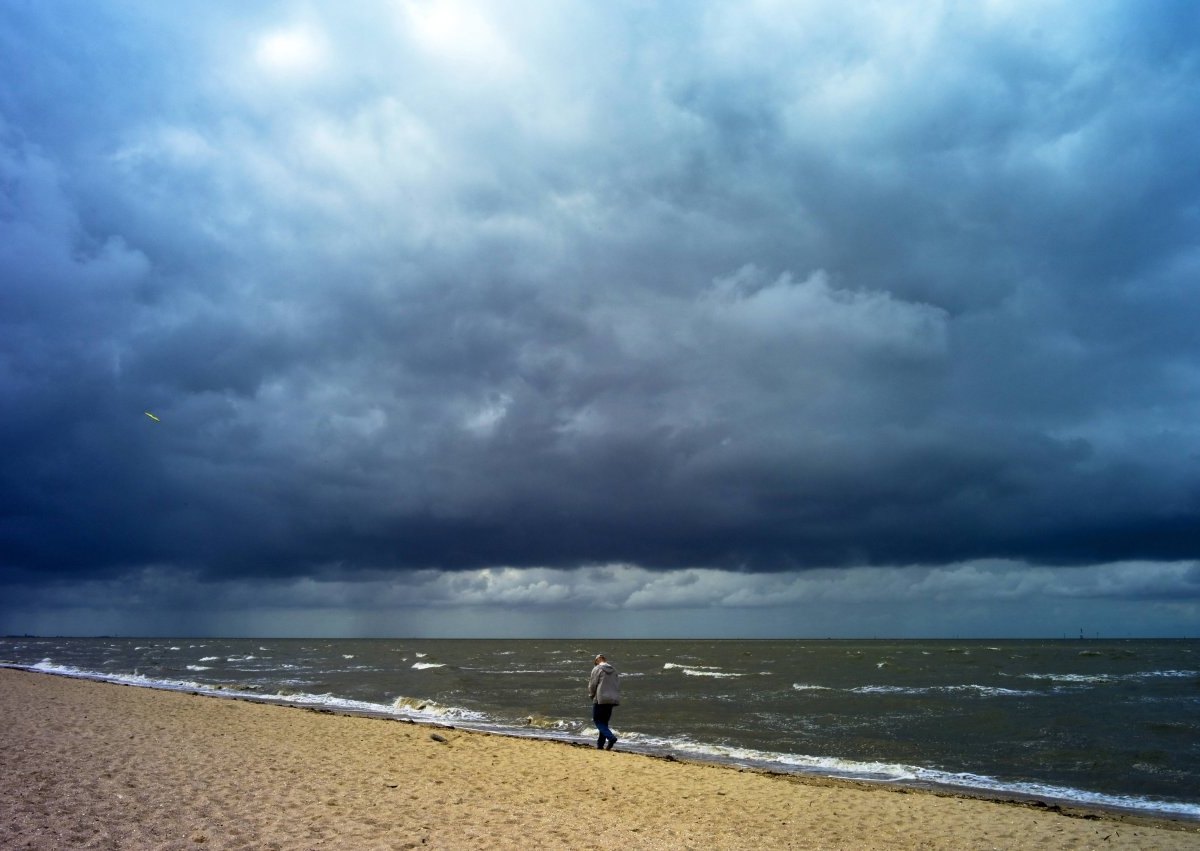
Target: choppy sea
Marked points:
1113	724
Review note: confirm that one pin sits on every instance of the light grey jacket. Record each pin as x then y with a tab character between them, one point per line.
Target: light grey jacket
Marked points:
604	684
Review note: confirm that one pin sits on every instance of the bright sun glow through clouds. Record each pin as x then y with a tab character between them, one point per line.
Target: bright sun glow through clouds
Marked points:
292	52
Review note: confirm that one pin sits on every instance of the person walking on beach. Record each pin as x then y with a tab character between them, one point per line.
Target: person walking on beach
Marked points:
604	688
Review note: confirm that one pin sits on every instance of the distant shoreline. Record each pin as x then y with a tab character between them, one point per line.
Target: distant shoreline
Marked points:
605	639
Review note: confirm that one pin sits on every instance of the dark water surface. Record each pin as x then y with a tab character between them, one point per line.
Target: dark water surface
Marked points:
1109	723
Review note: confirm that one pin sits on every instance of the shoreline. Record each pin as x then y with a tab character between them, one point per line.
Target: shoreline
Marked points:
1046	800
1047	803
85	763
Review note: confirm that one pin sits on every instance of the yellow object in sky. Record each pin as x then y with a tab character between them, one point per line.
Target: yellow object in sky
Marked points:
151	416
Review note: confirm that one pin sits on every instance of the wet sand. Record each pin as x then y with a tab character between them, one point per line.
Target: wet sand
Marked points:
93	765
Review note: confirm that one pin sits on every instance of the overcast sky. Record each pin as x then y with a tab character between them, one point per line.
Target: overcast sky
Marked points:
605	319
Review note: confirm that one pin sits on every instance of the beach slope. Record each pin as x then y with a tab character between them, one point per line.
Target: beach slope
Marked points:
93	765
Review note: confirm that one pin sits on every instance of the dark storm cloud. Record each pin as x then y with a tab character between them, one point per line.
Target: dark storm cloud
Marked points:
418	286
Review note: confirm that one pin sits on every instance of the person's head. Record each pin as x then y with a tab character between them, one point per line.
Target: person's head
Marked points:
599	658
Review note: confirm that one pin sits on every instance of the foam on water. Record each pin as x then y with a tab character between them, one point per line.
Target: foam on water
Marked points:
884	772
169	684
418	709
982	691
1080	679
48	667
542	722
700	671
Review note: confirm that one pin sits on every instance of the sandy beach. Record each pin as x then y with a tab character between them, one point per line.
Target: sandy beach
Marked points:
93	765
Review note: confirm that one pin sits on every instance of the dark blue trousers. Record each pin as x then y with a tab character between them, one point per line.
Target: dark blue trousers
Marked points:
601	713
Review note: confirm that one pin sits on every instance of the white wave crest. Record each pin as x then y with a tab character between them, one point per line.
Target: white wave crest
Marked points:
970	688
1071	678
989	691
888	690
426	710
543	722
700	671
